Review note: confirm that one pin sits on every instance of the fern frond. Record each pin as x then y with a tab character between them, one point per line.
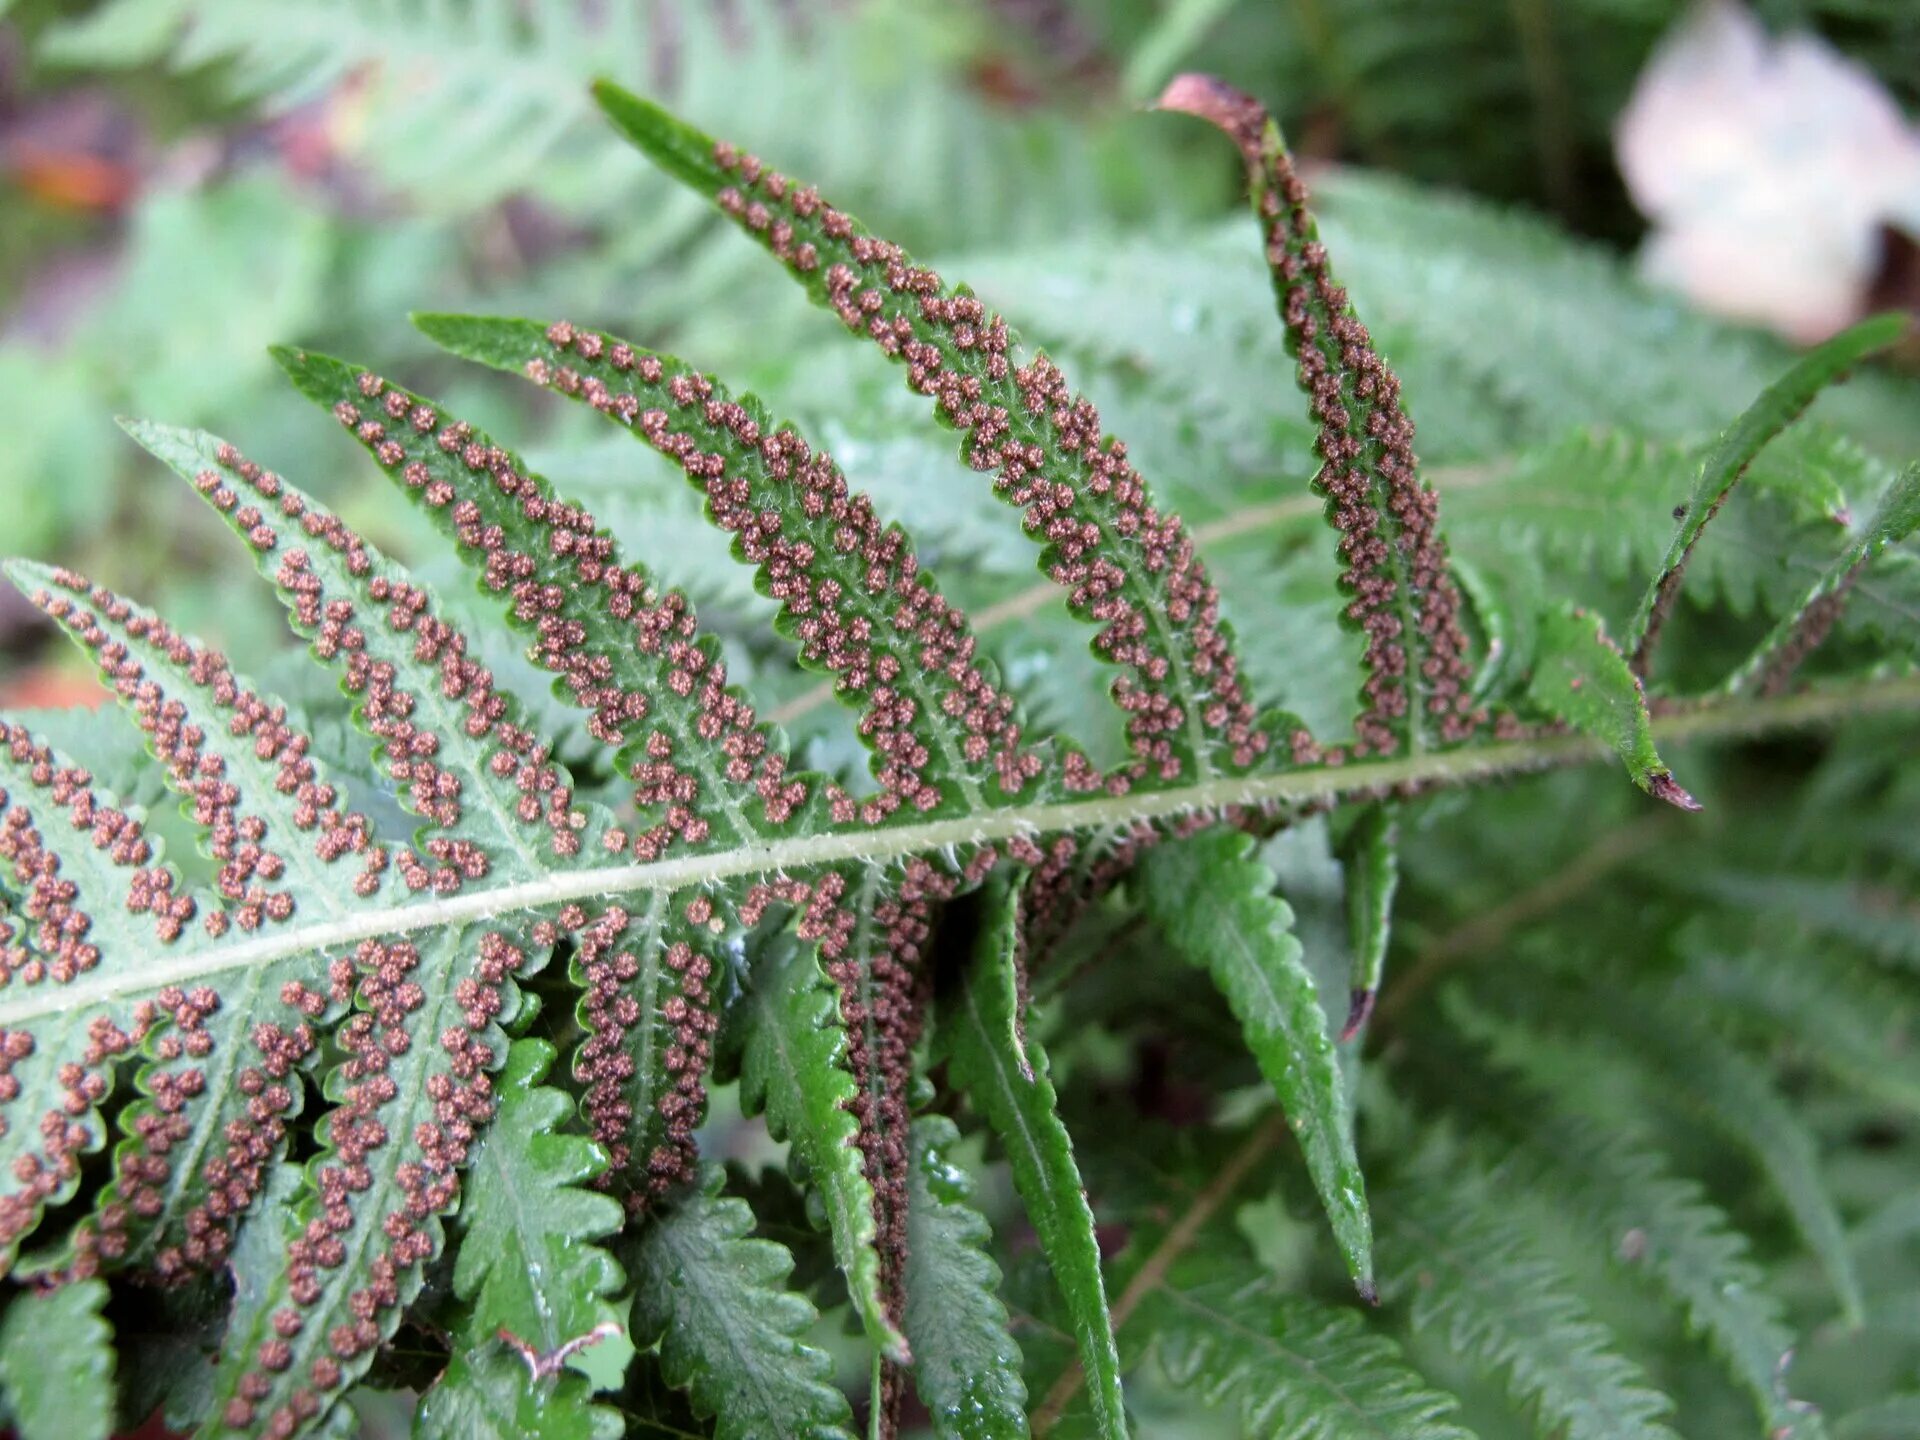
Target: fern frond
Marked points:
795	1066
1684	1065
1290	1365
530	1263
1003	1072
1777	408
57	1363
1475	1280
1772	665
1127	568
966	1364
1186	888
1580	676
712	1298
1371	863
1395	564
1653	1222
707	895
1842	1019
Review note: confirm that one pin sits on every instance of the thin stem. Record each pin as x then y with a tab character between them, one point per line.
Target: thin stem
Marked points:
1714	719
1172	1246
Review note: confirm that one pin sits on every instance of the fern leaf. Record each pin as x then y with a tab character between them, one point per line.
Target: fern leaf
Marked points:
1213	900
1294	1366
712	1299
57	1363
1395	564
486	1395
410	1094
1772	665
1580	676
87	876
597	621
1472	1278
1738	1098
942	732
966	1364
795	1066
1777	408
1688	1066
1188	711
1882	922
1655	1223
409	675
1004	1074
1371	860
193	1154
529	1263
1845	1021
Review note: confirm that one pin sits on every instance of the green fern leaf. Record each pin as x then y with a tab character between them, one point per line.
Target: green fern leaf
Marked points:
1580	676
1896	515
1188	712
1684	1065
1880	922
1295	1367
1737	1097
1654	1223
57	1363
1848	1022
1003	1072
529	1263
1395	563
1214	902
1473	1278
795	1067
487	1395
1371	862
966	1364
912	671
713	1300
1777	408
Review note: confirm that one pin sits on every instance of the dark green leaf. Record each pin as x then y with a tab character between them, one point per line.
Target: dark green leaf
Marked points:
1214	902
966	1365
1003	1073
57	1363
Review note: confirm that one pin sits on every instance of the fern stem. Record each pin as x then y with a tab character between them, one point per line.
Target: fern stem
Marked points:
1173	1244
1320	785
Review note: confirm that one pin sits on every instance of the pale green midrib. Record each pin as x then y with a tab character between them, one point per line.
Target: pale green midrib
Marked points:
1443	767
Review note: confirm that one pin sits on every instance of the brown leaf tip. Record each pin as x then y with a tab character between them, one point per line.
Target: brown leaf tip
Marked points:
1211	99
1662	786
1359	1011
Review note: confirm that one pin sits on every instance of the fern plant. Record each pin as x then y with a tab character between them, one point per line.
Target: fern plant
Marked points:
397	1085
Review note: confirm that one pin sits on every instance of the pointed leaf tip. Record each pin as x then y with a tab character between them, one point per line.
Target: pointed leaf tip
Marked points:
1662	786
1359	1011
676	147
1209	98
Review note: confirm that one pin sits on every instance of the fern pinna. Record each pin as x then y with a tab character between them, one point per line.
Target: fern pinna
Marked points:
325	1094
